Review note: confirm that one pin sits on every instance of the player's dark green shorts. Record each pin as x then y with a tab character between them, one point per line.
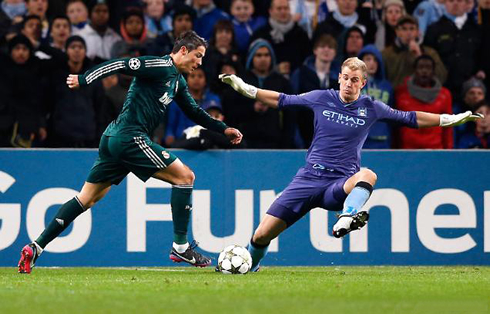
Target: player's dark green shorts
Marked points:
119	155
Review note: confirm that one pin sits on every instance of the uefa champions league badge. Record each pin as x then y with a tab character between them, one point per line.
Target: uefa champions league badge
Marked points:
134	64
165	155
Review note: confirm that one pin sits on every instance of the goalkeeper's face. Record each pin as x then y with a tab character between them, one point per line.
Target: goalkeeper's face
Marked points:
351	82
191	60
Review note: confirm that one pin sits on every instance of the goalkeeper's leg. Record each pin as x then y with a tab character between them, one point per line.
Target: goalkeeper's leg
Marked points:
91	193
359	188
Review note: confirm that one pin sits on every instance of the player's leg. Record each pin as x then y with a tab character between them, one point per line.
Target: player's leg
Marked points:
269	228
90	194
182	179
359	188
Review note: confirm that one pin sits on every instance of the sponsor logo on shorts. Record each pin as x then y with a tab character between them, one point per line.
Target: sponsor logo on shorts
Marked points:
165	155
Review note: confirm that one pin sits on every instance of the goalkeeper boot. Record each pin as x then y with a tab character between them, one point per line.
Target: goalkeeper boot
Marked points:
28	257
190	256
347	223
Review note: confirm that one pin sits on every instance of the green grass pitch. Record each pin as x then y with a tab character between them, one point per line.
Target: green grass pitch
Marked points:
274	290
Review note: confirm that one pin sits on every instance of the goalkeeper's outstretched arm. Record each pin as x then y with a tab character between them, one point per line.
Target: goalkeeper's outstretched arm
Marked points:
268	97
427	120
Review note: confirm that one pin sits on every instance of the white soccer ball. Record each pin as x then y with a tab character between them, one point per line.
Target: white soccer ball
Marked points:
234	259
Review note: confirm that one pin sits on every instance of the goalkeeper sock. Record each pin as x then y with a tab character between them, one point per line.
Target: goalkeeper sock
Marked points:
181	211
257	252
357	198
64	217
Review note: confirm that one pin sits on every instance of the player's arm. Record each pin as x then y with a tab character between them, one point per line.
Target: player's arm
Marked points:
194	112
139	67
427	120
268	97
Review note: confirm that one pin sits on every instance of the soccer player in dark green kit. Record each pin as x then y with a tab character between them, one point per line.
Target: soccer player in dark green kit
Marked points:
126	145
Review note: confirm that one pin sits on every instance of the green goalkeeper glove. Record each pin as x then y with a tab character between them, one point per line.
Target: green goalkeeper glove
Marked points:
239	85
448	120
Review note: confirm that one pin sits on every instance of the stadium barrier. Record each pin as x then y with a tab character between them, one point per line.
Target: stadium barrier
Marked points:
428	208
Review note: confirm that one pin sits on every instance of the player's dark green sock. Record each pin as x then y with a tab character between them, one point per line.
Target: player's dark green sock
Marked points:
181	211
64	217
257	252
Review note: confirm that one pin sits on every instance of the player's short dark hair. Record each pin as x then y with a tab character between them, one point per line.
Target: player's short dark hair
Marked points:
424	57
190	40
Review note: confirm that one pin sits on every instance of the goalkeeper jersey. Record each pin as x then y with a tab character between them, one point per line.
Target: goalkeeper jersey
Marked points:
155	84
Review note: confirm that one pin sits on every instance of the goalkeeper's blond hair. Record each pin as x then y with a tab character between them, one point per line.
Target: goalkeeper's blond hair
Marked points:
354	64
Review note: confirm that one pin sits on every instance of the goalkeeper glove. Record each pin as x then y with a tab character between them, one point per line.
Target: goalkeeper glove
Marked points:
239	85
447	120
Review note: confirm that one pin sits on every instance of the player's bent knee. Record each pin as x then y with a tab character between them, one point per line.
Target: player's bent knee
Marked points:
369	176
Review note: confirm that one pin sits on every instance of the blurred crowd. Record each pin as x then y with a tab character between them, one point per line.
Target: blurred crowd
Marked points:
428	55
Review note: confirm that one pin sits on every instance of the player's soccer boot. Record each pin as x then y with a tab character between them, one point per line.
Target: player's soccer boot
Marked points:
190	256
348	223
28	257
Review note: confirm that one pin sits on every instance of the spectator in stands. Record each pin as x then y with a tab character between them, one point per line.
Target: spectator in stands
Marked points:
13	8
207	15
484	22
75	119
423	91
400	57
379	88
198	138
244	23
457	39
156	21
392	11
221	47
428	12
319	71
77	11
474	92
60	30
177	120
477	134
99	37
354	41
343	18
133	30
265	127
289	41
24	103
39	8
182	21
308	13
229	98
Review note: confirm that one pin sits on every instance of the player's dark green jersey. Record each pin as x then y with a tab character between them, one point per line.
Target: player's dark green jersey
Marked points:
156	83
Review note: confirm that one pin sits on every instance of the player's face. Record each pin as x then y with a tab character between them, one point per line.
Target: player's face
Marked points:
347	7
37	7
77	12
60	30
20	54
134	26
393	14
351	82
371	63
196	80
193	59
424	72
155	8
76	52
474	96
242	10
455	7
182	23
407	32
280	11
325	53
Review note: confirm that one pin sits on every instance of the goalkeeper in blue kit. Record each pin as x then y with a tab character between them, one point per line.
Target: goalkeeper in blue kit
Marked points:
126	144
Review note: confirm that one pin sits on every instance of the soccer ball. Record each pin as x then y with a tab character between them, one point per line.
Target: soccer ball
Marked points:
234	259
